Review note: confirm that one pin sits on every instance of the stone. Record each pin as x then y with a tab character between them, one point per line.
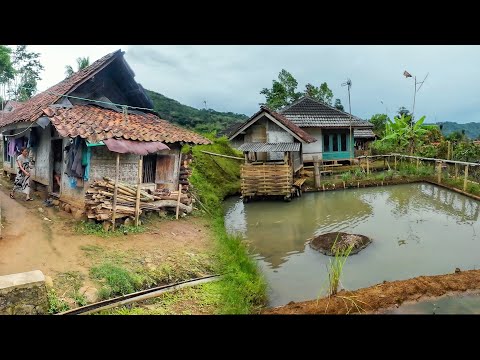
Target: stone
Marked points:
56	202
90	293
40	210
48	281
23	294
324	243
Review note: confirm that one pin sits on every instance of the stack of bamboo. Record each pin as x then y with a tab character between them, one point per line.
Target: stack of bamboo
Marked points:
99	200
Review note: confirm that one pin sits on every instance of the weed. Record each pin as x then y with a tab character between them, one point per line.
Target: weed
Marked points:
335	267
91	228
55	305
118	280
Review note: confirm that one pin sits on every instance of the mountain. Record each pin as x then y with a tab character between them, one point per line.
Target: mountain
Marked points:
472	129
200	120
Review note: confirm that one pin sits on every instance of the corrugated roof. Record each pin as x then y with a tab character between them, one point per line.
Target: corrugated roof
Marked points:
95	123
269	147
302	134
32	109
363	133
308	112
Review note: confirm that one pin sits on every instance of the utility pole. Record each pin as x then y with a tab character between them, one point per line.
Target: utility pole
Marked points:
351	141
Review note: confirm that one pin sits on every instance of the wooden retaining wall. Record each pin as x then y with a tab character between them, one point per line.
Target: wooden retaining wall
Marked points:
261	180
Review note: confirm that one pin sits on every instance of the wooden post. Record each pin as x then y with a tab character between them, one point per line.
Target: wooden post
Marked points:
246	157
448	150
456	171
395	165
139	181
368	167
115	191
418	160
466	178
439	172
316	171
178	200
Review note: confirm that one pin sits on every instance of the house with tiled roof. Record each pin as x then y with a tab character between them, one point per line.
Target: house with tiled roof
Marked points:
272	146
75	129
334	129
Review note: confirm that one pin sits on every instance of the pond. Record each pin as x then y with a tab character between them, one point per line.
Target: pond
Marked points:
467	303
417	229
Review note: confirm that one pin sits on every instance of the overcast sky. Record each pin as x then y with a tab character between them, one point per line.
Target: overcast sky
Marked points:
230	77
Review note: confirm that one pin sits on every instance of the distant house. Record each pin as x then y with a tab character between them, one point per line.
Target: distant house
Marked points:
272	146
76	128
363	137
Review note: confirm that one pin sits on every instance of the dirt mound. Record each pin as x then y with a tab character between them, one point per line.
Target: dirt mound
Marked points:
328	244
385	295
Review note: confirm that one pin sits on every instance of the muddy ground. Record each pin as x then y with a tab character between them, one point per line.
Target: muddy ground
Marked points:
385	295
35	237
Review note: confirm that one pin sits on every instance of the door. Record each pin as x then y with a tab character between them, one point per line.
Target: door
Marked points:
165	171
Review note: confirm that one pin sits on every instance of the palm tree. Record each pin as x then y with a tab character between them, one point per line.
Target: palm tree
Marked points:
82	63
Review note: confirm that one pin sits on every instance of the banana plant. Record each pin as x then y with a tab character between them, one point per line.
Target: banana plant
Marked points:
405	134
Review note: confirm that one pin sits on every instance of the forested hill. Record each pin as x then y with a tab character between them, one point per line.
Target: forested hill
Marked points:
201	120
472	129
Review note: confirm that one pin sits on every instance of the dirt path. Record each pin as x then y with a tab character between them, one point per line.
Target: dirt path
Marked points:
385	295
31	243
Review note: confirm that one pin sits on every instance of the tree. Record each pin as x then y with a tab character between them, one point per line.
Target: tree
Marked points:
6	68
403	111
338	105
27	68
283	91
82	63
379	122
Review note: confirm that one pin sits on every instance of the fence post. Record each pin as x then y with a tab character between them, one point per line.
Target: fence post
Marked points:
395	165
466	178
418	160
368	167
456	171
439	172
316	169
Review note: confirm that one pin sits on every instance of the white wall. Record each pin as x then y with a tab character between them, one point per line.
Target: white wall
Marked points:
275	134
315	148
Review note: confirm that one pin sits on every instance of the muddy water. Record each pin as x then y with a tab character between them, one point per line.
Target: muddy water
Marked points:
453	304
417	229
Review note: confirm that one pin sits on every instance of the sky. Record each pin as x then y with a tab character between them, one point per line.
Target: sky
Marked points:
230	77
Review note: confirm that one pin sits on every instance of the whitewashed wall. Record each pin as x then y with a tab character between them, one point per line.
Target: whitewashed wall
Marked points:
315	148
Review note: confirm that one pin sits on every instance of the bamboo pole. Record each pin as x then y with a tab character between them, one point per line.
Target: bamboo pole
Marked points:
368	166
418	160
317	171
225	156
178	200
456	171
115	191
466	178
395	166
139	181
439	172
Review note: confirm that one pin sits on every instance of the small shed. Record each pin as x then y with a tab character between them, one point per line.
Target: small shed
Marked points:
272	146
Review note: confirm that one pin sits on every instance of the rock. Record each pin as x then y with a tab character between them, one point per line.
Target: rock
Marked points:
56	202
106	225
457	270
78	215
46	219
48	281
40	210
68	208
90	293
325	242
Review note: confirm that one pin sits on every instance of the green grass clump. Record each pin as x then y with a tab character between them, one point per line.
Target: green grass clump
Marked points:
243	288
117	280
91	228
335	267
55	305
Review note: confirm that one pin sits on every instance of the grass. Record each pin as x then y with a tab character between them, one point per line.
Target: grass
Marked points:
70	283
55	305
243	288
200	299
91	228
335	267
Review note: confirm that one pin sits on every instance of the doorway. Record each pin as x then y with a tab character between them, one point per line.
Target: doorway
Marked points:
57	152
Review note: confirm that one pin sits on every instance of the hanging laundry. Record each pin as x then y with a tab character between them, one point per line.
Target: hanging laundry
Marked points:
11	147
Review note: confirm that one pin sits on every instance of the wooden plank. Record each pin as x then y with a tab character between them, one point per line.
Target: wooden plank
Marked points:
139	181
221	155
165	169
115	191
178	201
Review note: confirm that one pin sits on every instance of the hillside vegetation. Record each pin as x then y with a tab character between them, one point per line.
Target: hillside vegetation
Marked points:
204	120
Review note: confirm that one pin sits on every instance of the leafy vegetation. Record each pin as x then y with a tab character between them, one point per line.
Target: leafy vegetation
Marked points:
242	288
91	228
203	120
55	305
284	91
82	63
335	267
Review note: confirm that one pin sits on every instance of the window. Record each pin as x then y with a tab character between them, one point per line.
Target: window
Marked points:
335	142
344	142
326	143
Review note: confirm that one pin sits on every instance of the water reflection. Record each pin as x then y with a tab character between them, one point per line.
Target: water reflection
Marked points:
417	229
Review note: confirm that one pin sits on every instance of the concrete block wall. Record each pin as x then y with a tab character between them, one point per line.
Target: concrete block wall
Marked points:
23	294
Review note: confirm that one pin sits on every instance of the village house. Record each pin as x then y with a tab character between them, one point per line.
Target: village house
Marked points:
333	129
272	146
75	129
